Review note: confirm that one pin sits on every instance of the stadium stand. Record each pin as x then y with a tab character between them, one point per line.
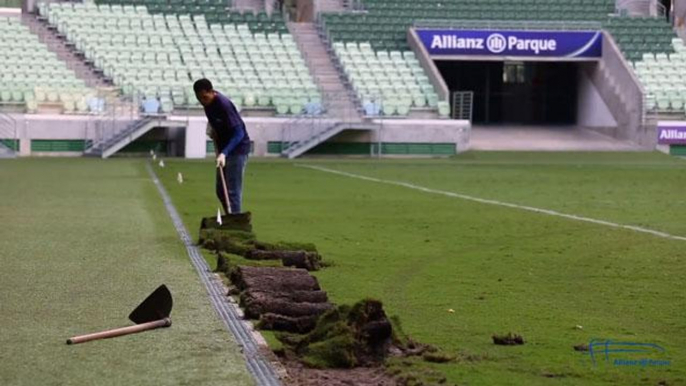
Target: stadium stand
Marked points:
662	74
10	3
384	73
33	75
658	57
387	21
648	43
155	48
255	61
386	82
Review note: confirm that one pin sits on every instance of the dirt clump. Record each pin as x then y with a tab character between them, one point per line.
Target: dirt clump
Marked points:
508	340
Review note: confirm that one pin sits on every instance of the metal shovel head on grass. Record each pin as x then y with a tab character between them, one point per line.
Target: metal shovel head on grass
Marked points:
152	313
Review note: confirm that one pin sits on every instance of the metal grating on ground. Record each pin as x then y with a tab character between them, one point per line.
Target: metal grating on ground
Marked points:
258	366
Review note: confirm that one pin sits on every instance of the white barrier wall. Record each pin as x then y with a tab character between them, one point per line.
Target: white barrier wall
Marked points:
592	112
262	131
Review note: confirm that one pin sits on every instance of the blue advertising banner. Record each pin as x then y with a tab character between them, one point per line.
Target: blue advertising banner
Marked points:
548	44
671	133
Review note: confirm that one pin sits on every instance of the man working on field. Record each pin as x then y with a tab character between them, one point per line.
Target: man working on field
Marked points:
227	130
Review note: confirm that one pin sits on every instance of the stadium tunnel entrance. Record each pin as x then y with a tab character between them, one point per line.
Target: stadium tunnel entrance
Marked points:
517	92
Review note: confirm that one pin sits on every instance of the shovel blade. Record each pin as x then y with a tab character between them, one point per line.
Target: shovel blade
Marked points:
156	306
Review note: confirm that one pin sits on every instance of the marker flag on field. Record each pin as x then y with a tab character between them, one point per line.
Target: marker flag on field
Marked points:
154	157
219	216
161	163
179	177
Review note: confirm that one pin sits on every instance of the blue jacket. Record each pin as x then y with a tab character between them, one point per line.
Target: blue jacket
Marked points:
232	137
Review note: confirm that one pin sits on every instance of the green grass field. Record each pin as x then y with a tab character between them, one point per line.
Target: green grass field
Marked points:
500	269
83	241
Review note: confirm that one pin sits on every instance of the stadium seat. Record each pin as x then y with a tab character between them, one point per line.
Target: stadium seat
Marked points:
150	106
154	54
31	73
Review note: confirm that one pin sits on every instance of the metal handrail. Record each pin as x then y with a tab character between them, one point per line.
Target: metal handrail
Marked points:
8	127
114	120
648	5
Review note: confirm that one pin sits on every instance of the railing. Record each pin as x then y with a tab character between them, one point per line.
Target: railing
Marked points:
354	6
326	105
8	131
622	91
634	7
271	6
337	112
338	66
301	128
507	24
114	117
463	105
119	118
338	105
61	48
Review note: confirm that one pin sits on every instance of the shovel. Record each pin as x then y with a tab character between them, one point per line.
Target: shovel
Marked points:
152	313
226	190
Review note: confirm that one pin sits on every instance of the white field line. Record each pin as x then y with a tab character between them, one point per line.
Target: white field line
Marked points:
498	203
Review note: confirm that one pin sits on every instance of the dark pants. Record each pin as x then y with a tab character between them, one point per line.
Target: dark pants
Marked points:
233	174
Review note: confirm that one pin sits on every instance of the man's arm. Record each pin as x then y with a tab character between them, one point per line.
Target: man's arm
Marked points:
238	134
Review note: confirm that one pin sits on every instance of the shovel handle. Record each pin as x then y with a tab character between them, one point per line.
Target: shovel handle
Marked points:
166	322
226	191
221	174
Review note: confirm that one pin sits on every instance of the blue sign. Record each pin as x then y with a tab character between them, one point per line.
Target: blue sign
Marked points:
545	44
630	353
671	133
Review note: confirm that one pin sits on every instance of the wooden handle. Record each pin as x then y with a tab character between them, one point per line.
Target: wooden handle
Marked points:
221	174
226	192
166	322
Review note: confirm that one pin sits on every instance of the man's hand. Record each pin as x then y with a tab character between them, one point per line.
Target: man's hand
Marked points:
210	131
221	160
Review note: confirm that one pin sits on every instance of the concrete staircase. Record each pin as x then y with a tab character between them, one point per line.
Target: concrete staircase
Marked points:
330	6
299	147
6	152
623	94
8	131
338	101
635	7
64	52
255	5
109	145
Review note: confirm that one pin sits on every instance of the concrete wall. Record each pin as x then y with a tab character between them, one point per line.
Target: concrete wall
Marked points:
428	65
622	92
679	17
193	140
421	131
592	112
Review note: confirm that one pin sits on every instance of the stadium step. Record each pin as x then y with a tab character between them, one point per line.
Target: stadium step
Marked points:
6	152
325	6
635	7
111	144
59	46
8	132
337	99
299	147
243	5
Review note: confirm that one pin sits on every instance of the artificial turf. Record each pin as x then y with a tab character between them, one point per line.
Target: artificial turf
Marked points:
82	243
556	281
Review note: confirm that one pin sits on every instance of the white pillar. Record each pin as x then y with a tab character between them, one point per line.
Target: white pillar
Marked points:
196	139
